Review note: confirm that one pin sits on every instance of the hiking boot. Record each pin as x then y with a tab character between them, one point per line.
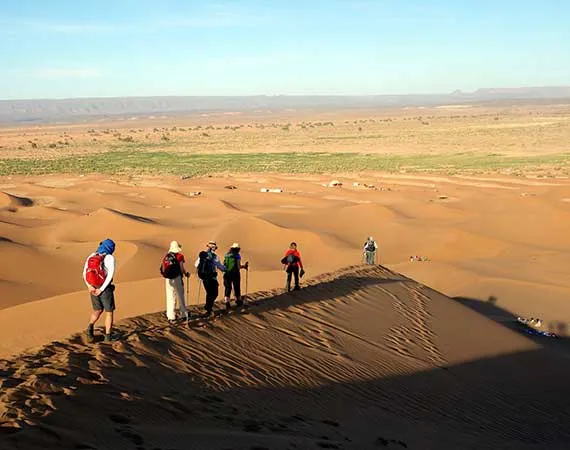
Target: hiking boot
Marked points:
111	337
297	288
90	333
229	306
207	314
239	302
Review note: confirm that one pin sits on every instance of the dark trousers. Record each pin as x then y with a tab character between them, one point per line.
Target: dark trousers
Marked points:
211	287
232	279
292	270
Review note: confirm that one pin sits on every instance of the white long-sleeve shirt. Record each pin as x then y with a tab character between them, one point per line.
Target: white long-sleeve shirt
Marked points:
108	266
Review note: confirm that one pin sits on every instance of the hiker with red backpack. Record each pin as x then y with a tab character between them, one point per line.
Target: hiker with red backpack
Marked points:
172	269
206	267
98	273
293	266
232	275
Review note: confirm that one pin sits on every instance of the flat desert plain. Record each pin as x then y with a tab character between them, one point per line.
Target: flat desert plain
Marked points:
470	208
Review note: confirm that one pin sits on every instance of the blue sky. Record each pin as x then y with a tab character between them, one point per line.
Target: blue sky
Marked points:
102	48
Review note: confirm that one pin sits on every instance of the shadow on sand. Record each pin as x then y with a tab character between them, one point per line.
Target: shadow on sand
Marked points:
514	401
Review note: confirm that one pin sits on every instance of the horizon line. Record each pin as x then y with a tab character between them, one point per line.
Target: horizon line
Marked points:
455	91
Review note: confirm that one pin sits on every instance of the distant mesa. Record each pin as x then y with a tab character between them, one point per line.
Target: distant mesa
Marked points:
129	108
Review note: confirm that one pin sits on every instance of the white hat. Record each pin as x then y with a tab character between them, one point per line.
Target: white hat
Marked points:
235	245
175	247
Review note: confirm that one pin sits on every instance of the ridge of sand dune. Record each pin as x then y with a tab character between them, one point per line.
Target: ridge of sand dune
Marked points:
105	222
14	201
359	339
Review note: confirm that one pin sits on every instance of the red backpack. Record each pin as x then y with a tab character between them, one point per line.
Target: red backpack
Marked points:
170	267
95	273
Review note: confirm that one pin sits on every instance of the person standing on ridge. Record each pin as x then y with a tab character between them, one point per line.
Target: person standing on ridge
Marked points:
98	273
370	248
173	270
232	275
206	266
293	266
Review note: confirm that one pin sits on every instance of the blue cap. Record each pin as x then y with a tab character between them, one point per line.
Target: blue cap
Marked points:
107	247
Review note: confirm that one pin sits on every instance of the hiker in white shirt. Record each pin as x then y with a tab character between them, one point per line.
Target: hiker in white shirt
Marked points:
173	270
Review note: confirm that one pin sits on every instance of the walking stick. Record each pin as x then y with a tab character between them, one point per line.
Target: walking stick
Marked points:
246	280
187	295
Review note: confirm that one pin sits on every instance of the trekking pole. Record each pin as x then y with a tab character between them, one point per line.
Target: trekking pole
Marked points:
187	300
246	280
188	289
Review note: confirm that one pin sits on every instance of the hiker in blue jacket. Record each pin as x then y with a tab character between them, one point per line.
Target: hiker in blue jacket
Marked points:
207	265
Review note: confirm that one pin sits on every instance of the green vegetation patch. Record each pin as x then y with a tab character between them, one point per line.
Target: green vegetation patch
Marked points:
160	162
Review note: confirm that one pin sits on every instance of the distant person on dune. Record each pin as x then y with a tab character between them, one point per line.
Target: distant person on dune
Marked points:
173	270
206	266
293	266
98	273
370	248
232	275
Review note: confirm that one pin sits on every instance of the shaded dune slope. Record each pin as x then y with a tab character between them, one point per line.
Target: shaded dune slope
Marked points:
360	358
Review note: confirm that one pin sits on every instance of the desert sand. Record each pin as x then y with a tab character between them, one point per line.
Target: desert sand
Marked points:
407	354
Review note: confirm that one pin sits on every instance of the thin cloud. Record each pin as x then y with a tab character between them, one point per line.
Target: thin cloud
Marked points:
54	73
220	18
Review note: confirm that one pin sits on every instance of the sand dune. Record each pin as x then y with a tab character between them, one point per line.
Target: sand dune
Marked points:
483	236
362	358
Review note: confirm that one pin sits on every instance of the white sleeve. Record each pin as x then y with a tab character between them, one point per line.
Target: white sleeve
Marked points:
196	263
109	262
375	245
85	272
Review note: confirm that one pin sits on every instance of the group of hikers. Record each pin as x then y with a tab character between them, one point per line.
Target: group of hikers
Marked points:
99	270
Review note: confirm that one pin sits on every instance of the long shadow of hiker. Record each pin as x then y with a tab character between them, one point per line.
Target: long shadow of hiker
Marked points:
491	310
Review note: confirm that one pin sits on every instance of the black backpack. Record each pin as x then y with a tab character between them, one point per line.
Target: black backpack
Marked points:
370	247
205	266
290	259
170	267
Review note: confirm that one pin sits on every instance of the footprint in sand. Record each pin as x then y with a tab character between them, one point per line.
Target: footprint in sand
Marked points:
117	418
10	382
327	445
252	426
332	423
130	435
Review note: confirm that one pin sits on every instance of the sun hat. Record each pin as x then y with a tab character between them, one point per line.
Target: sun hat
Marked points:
235	245
175	247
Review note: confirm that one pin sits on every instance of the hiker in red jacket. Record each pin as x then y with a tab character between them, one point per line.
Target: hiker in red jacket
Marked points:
293	266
